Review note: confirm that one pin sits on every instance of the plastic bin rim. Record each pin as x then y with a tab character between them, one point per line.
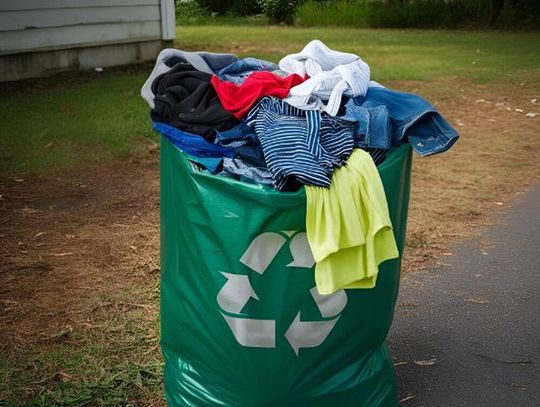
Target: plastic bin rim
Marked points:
396	153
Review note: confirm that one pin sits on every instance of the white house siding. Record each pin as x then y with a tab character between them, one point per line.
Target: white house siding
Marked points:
133	29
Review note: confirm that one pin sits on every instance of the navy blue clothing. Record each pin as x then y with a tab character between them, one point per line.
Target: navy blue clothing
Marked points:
210	155
240	135
192	144
245	143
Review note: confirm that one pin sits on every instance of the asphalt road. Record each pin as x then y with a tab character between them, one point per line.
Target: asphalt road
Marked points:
468	333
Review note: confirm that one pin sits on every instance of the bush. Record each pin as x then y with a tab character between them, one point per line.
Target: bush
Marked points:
245	8
217	6
419	13
200	10
279	11
427	13
333	13
231	7
193	14
411	13
187	10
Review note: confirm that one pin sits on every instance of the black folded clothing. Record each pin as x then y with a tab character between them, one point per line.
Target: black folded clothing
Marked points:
185	99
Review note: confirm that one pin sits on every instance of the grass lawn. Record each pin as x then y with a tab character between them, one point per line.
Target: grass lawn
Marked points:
79	279
61	121
391	54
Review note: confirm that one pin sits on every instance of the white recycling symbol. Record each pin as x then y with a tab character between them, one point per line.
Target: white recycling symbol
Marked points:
261	333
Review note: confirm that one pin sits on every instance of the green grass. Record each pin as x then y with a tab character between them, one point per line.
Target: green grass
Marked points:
391	54
226	20
62	121
343	13
111	384
114	361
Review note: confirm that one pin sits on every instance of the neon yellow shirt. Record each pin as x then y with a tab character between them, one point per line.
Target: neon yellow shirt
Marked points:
348	226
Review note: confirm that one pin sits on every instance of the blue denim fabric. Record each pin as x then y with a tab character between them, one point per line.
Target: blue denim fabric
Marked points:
252	155
412	119
245	143
247	172
240	135
374	128
192	144
238	71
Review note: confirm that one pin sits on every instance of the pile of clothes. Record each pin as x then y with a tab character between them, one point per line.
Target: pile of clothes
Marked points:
314	120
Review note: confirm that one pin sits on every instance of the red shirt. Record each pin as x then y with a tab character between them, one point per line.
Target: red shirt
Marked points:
238	99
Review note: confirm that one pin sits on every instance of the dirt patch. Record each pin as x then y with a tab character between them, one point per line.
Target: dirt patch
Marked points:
66	236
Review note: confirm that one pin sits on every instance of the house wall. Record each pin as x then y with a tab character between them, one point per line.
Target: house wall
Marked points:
41	37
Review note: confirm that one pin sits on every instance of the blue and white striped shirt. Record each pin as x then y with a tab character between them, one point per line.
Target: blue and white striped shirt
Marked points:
301	143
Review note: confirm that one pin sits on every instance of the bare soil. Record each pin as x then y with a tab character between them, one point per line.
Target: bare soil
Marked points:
67	235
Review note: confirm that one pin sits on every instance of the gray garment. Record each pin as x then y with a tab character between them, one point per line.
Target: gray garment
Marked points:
202	61
247	172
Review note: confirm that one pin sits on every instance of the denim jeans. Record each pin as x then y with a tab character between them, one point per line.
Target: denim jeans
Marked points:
240	135
238	71
388	118
246	172
374	126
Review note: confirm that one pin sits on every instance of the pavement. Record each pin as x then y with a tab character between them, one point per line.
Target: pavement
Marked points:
468	333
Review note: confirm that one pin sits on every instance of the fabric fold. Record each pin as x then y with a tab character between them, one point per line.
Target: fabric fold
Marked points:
238	99
348	226
332	74
208	62
186	99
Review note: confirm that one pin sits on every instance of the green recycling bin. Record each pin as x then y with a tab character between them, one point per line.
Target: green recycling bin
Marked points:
241	321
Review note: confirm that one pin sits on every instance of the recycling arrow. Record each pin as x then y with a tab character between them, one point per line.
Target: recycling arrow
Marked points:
301	253
262	251
254	333
236	292
329	305
260	333
308	334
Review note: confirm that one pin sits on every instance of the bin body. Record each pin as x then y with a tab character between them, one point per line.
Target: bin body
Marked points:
241	323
